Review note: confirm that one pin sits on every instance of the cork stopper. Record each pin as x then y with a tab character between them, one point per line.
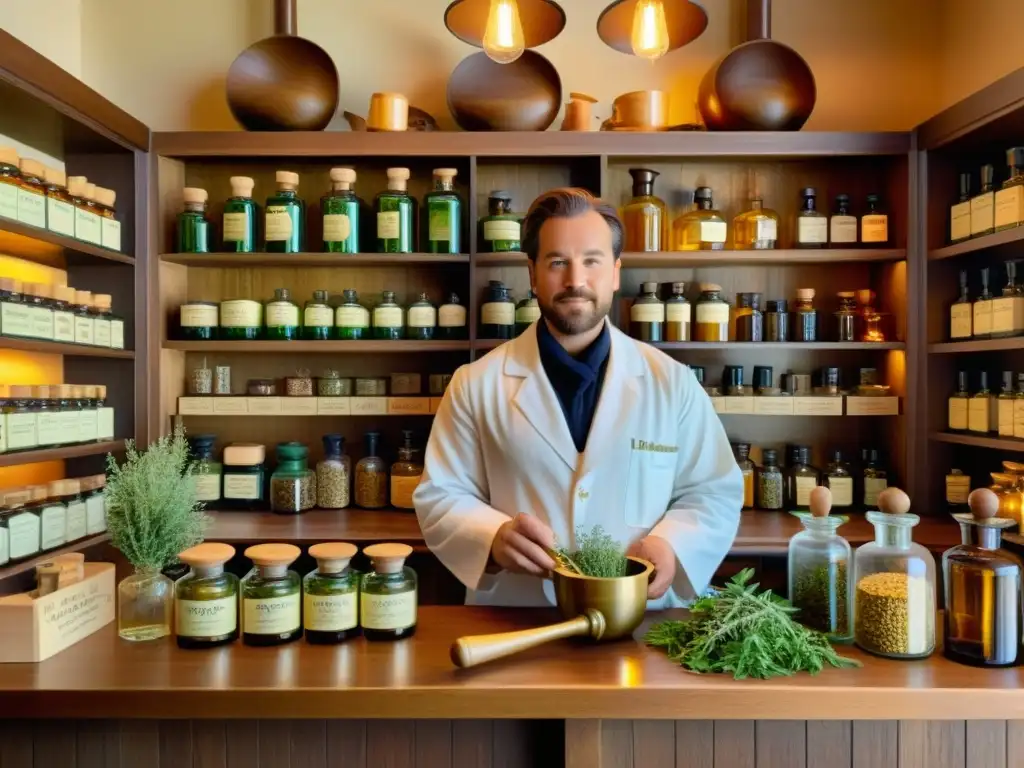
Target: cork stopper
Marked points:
388	558
58	488
273	554
101	301
30	167
77	392
847	294
64	293
87	483
105	197
76	185
101	394
287	180
893	501
820	501
18	498
245	454
984	504
865	296
63	391
10	285
209	554
805	294
21	391
9	156
55	176
333	556
41	392
194	195
241	186
343	178
709	287
47	291
83	297
398	178
89	391
37	492
89	192
446	174
99	481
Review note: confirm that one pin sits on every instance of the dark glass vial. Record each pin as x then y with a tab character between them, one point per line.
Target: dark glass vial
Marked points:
497	313
647	314
776	321
749	318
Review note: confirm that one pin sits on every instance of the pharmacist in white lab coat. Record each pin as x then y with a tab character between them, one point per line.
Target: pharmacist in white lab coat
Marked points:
571	425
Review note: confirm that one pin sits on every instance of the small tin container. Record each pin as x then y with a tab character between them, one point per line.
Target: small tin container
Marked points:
371	387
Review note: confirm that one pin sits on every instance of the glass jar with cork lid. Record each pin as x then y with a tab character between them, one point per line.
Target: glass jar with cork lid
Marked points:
206	598
32	193
238	233
285	216
110	227
271	596
330	600
805	316
194	230
396	214
85	320
87	219
388	594
244	476
9	177
69	493
341	210
23	524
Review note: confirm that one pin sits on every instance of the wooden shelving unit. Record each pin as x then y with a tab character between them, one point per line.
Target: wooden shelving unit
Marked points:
57	348
977	345
974	245
50	249
1008	444
25	566
775	257
310	259
319	347
61	453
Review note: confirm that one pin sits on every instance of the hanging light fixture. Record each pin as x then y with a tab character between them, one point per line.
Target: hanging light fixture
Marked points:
503	35
504	28
651	28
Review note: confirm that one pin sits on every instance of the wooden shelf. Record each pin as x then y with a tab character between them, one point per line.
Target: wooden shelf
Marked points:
64	452
59	348
775	257
976	345
506	259
824	346
45	247
979	441
310	259
319	347
994	240
28	565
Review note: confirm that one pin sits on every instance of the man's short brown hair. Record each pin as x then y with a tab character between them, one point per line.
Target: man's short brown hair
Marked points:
566	202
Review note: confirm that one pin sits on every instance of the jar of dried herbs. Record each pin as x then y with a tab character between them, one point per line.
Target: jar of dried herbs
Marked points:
293	484
330	601
388	594
206	598
330	384
371	476
271	596
333	475
769	483
299	385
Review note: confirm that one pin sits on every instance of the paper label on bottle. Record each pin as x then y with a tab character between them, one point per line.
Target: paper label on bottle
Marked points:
352	317
960	221
279	223
87	227
766	229
69	426
23	534
843	229
77	527
42	323
84	327
812	229
48	428
206	618
960	321
5	546
874	228
15	319
3	433
1007	314
241	313
502	229
281	313
198	315
713	231
451	316
422	317
1005	413
804	486
236	227
396	611
64	327
117	334
978	411
369	406
32	208
207	487
1018	417
8	200
53	526
95	515
498	313
842	491
317	317
402	488
527	314
387	317
21	431
647	313
389	225
1009	206
957	416
60	217
713	312
241	486
958	488
101	332
88	425
982	213
110	233
439	225
331	613
272	615
337	227
872	487
982	317
105	423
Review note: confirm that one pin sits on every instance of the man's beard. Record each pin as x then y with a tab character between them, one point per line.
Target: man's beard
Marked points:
574	319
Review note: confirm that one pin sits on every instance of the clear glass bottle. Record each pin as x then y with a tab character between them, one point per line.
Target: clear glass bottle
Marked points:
982	309
983	407
351	319
500	229
1008	307
145	605
388	318
241	213
811	224
60	209
451	320
342	210
983	204
842	225
32	193
293	484
396	215
749	318
95	494
770	482
334	475
405	473
1009	200
874	224
317	318
702	228
711	314
677	314
421	321
876	479
839	480
846	317
85	322
330	595
388	594
755	229
194	230
23	525
283	321
206	598
647	314
442	209
497	313
9	175
22	419
742	453
371	476
285	216
776	321
271	596
960	313
958	406
245	486
645	216
801	478
53	514
88	226
960	212
894	611
207	472
805	316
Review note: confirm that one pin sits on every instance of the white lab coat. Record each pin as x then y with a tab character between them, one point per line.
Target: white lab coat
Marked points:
500	445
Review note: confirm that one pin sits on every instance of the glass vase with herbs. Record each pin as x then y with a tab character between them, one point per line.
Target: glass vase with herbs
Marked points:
293	484
271	596
206	598
330	595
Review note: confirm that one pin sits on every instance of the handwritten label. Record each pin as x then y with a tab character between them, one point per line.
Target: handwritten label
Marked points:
271	616
206	618
331	613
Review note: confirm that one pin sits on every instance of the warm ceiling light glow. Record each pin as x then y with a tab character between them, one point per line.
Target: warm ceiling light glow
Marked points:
503	35
650	31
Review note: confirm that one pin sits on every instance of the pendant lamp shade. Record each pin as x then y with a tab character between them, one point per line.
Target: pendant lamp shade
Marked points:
542	20
686	21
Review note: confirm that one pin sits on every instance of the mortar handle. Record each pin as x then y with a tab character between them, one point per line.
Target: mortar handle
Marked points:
472	650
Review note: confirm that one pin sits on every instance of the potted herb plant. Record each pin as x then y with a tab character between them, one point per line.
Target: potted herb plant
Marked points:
152	515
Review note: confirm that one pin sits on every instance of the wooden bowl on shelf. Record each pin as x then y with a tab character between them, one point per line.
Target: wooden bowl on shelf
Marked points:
522	96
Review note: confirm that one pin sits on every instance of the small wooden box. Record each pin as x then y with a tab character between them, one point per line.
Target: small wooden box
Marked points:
34	629
193	406
872	406
400	406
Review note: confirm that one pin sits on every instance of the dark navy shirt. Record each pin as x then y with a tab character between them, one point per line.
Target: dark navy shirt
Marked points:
576	380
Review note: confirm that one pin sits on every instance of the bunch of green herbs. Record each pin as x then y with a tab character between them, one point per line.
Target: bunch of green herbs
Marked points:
597	554
152	511
746	632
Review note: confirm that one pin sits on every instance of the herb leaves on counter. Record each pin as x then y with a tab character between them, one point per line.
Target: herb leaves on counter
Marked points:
597	555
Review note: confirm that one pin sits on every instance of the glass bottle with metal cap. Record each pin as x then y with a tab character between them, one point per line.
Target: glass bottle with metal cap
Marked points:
1009	203
645	216
647	314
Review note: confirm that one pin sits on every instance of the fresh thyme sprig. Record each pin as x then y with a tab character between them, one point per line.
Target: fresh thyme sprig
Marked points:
597	554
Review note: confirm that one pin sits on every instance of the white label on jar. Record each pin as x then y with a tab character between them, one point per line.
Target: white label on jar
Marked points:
422	317
207	487
318	317
279	223
331	613
874	228
88	425
387	317
87	227
677	312
960	317
982	317
198	315
42	323
352	317
8	200
528	314
271	615
206	618
23	533
1009	206
402	489
281	313
843	229
804	486
77	526
236	227
1018	417
70	420
872	487
101	332
1007	314
958	488
110	233
64	327
95	515
60	217
978	412
48	426
241	486
15	319
647	313
53	526
982	213
396	611
5	546
1005	418
716	312
32	208
842	491
117	334
337	227
812	229
105	423
451	316
21	431
241	313
388	225
960	221
498	313
712	231
766	229
84	329
502	229
957	416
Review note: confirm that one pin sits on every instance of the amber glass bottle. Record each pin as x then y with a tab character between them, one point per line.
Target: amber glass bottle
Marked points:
645	217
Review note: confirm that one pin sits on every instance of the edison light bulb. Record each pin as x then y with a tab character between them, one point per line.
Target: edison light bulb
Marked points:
503	35
650	31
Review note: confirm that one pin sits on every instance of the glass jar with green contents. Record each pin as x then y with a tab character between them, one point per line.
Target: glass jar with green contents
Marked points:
94	494
330	599
69	493
388	594
206	598
293	484
443	210
22	524
341	210
351	319
388	318
422	319
15	318
317	318
240	215
271	596
244	484
451	320
285	229
32	193
9	176
22	419
197	321
500	228
194	231
396	215
497	313
282	317
85	321
53	515
527	312
206	471
240	320
769	481
60	210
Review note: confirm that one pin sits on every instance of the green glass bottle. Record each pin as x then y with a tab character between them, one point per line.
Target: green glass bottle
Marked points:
240	214
206	598
193	226
330	602
388	594
396	215
341	211
282	317
451	320
351	319
317	318
388	318
285	228
443	214
422	319
500	228
527	311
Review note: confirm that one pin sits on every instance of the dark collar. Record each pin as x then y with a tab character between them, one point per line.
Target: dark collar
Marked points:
586	366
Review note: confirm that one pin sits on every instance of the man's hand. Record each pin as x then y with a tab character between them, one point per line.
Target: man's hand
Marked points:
521	545
659	552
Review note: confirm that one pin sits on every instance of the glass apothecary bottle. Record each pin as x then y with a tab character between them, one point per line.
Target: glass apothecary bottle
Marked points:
245	485
421	321
60	210
32	193
53	514
5	541
702	228
842	226
396	215
756	228
647	314
330	595
271	596
9	176
500	229
101	319
749	318
48	416
317	318
982	308
527	312
442	210
351	319
63	316
961	324
22	419
451	320
341	211
40	310
983	204
84	320
811	224
88	226
405	473
334	475
371	476
206	470
240	320
76	525
839	480
770	481
874	224
15	318
776	321
497	313
846	317
388	318
388	594
241	213
104	415
293	484
805	316
95	494
801	478
711	315
677	315
88	418
960	212
23	525
194	231
110	227
645	216
820	583
876	478
742	453
285	216
894	612
206	598
282	317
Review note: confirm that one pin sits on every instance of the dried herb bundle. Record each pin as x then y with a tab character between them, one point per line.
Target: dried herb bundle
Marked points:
597	554
746	632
